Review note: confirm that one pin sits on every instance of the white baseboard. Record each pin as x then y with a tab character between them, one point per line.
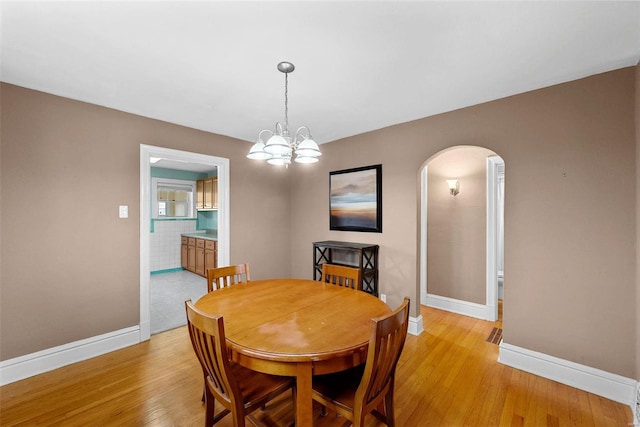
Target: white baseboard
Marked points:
416	326
596	381
465	308
18	368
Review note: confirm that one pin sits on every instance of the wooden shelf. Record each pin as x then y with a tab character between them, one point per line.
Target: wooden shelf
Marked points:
361	255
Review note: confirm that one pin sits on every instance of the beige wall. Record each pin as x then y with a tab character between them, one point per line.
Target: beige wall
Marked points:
569	152
70	267
457	226
570	214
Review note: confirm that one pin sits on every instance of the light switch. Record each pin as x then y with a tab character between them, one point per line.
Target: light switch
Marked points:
124	211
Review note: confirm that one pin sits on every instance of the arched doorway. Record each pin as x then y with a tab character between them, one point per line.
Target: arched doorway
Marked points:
461	234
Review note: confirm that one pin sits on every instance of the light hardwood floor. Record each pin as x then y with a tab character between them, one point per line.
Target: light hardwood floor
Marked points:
447	376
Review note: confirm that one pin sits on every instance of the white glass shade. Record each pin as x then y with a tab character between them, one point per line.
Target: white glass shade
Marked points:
454	186
279	160
277	145
308	148
257	152
306	159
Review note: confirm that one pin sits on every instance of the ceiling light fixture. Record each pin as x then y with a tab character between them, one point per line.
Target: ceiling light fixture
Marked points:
280	144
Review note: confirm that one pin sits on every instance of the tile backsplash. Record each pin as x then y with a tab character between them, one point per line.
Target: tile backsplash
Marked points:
165	243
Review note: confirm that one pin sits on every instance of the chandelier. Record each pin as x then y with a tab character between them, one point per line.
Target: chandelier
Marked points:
280	144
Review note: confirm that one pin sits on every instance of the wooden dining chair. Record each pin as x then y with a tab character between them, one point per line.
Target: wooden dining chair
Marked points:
226	276
340	275
368	389
240	390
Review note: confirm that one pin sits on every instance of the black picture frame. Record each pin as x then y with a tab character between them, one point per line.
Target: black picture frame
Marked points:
355	199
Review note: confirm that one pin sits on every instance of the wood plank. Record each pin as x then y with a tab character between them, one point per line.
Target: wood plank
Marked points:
446	376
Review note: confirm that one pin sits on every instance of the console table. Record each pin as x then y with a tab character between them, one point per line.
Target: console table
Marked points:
366	256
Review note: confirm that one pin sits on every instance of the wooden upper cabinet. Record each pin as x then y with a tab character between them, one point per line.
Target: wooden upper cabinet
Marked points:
208	193
200	194
207	190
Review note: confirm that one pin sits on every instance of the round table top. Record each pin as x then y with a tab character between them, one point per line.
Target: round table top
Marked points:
293	319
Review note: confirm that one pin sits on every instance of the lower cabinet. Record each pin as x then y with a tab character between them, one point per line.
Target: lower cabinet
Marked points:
210	255
191	255
198	255
184	253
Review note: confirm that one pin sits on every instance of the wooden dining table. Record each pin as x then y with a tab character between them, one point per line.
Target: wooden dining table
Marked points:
295	327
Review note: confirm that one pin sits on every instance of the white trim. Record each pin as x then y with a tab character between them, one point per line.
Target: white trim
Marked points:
222	164
26	366
493	163
145	250
466	308
489	311
423	235
415	325
602	383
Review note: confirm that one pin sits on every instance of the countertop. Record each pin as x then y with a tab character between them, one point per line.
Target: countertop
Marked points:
209	235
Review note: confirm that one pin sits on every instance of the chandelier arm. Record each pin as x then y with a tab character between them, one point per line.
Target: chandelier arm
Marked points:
263	131
303	132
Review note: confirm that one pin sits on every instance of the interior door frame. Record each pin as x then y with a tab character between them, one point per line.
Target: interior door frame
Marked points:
222	164
493	164
489	310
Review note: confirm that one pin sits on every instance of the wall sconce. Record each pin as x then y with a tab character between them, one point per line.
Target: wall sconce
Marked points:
454	186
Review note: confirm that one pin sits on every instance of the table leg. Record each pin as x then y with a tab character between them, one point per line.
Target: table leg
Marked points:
304	401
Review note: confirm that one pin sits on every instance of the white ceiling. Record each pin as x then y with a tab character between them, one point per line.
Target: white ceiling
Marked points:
360	66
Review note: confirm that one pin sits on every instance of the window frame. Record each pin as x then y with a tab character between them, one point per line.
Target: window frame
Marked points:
171	182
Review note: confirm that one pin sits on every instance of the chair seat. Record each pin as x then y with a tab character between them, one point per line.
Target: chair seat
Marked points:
340	387
254	385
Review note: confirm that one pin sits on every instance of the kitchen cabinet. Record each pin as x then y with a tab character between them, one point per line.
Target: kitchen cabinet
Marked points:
207	193
199	194
184	253
191	254
210	255
198	255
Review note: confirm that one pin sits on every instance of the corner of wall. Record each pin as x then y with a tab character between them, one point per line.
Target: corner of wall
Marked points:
637	121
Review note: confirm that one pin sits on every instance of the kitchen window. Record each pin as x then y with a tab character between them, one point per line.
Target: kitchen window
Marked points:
173	198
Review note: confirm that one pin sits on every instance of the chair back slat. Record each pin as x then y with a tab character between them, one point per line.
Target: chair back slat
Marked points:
208	340
222	277
386	341
340	275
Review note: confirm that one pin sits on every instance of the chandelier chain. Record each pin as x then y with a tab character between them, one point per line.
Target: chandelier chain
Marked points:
286	102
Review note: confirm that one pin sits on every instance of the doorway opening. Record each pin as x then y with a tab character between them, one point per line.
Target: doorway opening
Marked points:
185	158
461	232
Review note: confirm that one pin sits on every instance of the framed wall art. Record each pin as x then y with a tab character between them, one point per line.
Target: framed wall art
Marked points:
355	199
